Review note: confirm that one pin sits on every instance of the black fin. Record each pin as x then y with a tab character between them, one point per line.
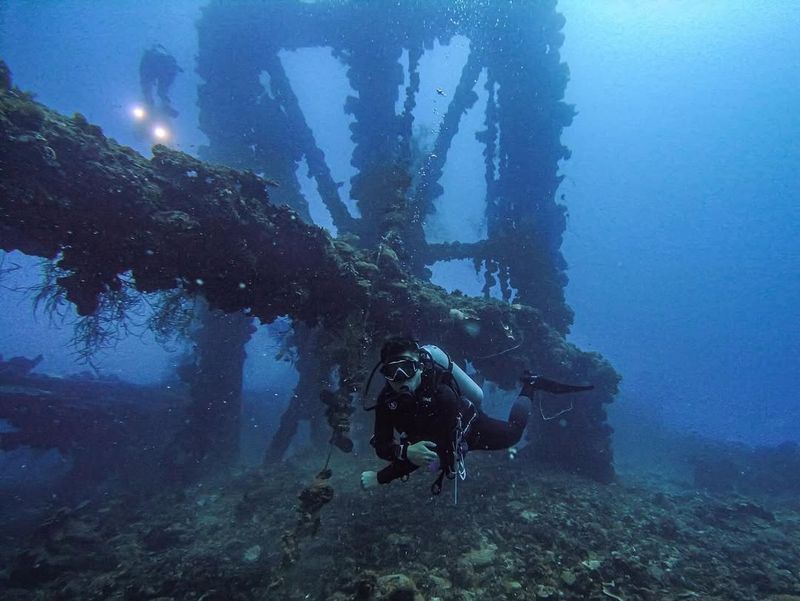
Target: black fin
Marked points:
532	383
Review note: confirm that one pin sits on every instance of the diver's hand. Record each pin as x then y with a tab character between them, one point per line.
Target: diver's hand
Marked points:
421	453
369	479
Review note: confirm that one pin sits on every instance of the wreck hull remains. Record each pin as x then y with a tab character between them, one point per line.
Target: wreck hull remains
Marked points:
112	219
253	119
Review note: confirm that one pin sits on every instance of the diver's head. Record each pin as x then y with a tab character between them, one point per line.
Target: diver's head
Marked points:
400	364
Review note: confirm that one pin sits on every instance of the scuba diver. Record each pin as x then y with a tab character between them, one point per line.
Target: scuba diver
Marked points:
431	402
158	69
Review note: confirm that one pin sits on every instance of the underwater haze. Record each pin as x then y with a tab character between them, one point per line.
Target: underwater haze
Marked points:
682	192
681	189
667	257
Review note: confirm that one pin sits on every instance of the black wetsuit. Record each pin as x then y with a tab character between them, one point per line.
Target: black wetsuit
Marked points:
432	415
158	69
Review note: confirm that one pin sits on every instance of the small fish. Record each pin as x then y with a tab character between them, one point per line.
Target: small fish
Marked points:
441	92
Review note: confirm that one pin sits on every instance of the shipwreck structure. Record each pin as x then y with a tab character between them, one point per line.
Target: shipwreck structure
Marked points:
113	220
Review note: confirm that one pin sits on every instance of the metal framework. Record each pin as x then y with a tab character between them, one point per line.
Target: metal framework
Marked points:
516	43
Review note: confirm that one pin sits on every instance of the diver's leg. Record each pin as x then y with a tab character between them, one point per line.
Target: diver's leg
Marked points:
147	90
162	89
489	434
166	103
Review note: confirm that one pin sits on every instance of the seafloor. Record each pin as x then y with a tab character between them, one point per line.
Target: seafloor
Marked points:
516	533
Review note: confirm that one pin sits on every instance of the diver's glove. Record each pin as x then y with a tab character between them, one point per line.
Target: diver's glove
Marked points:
421	453
369	479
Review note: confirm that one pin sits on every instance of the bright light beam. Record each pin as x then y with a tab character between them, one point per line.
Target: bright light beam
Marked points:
160	133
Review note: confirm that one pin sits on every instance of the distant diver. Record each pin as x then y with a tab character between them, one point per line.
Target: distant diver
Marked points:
431	402
157	71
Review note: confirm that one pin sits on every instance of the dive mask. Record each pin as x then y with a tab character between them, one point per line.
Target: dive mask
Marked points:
399	370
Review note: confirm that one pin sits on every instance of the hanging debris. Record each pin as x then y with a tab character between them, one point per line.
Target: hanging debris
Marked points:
100	210
312	499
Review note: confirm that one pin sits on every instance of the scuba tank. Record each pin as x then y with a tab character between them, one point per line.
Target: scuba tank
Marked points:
466	385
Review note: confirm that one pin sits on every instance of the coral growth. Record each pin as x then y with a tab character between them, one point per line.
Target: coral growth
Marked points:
516	534
173	222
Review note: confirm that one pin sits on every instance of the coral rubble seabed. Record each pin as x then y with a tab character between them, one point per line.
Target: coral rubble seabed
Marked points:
517	533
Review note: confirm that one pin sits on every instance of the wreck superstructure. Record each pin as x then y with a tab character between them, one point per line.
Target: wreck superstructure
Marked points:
175	222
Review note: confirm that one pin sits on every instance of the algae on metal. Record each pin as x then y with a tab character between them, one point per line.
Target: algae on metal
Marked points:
100	210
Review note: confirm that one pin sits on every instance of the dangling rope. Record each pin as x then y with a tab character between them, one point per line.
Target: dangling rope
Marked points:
548	418
560	413
508	350
330	454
